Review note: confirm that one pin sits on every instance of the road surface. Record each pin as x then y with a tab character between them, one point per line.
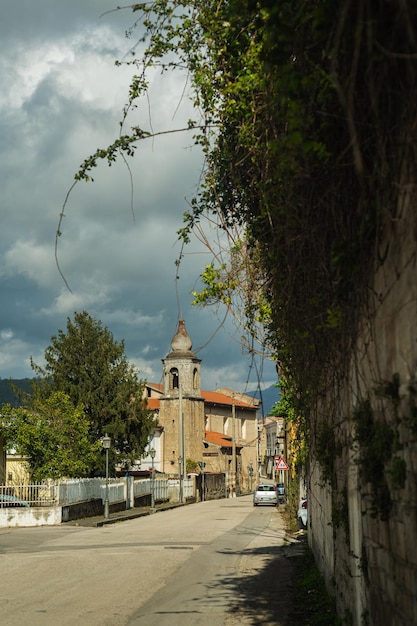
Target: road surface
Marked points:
212	563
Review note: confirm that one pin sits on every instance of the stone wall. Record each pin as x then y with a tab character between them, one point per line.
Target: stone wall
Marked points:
363	495
214	486
193	412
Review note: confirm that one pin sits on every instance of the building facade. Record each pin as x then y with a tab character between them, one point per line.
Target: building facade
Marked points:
210	431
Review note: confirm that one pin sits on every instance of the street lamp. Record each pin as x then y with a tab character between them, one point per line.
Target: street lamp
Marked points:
152	453
250	471
106	441
202	466
180	474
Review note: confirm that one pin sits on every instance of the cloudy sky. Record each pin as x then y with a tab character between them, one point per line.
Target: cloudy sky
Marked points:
61	98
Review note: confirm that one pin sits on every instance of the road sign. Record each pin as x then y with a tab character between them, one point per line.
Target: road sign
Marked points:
281	465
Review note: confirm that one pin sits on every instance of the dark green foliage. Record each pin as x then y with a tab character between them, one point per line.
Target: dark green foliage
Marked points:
88	365
291	506
376	440
326	451
398	472
312	604
12	389
306	115
54	437
340	512
412	407
364	564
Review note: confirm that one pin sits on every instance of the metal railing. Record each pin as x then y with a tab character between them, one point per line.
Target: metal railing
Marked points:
144	486
40	494
74	491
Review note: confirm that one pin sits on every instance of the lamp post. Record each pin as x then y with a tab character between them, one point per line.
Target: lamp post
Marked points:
152	453
106	441
233	447
202	466
250	471
180	474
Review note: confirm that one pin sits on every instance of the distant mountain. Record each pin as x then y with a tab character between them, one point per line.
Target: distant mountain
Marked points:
269	398
7	395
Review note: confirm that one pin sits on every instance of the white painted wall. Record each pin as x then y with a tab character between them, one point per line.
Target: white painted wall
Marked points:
33	516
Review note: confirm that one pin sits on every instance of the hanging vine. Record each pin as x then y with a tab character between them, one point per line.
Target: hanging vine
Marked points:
305	112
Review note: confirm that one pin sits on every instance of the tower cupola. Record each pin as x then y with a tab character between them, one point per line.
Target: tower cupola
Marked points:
181	341
181	366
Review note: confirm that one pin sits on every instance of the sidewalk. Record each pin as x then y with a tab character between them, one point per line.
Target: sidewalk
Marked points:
122	516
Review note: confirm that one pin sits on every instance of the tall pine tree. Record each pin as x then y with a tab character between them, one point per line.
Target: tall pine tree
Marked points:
90	367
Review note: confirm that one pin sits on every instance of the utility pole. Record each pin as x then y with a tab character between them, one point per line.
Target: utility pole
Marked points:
233	447
181	444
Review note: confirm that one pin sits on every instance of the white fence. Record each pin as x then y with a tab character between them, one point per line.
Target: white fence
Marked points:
20	496
74	491
143	487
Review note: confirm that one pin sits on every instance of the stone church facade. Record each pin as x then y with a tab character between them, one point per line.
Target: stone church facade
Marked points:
213	430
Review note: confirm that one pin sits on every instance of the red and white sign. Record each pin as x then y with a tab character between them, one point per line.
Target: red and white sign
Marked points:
281	465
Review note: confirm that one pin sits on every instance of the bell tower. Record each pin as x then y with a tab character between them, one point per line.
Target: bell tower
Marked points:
181	367
181	406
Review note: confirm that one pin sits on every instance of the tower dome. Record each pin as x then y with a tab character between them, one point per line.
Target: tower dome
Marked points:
181	366
181	341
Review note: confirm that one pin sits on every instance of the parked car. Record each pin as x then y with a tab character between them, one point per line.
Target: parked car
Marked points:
281	489
302	513
265	494
281	492
8	501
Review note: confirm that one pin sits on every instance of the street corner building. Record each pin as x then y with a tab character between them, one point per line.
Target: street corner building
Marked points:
216	431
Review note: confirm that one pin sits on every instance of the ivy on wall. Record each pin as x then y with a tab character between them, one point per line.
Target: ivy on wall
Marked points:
382	466
305	112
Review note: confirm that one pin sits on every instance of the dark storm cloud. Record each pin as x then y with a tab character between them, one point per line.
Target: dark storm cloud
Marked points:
61	99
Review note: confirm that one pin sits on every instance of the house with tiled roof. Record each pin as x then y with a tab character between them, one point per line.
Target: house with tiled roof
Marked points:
214	430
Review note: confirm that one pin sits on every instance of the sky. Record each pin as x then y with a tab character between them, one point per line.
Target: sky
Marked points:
61	98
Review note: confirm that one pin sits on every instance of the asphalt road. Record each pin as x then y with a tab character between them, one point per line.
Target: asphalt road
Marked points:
212	563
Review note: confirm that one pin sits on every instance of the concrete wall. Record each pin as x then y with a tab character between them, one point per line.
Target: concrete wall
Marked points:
362	531
33	516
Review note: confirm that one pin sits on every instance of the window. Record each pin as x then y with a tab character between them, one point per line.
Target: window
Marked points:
195	378
174	379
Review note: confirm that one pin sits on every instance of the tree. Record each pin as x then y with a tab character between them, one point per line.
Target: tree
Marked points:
53	435
308	130
90	367
297	107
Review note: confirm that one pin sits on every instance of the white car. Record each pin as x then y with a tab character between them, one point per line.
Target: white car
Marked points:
265	494
302	513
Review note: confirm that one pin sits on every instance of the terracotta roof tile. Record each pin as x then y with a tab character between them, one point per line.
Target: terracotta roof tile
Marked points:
210	397
219	439
214	397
